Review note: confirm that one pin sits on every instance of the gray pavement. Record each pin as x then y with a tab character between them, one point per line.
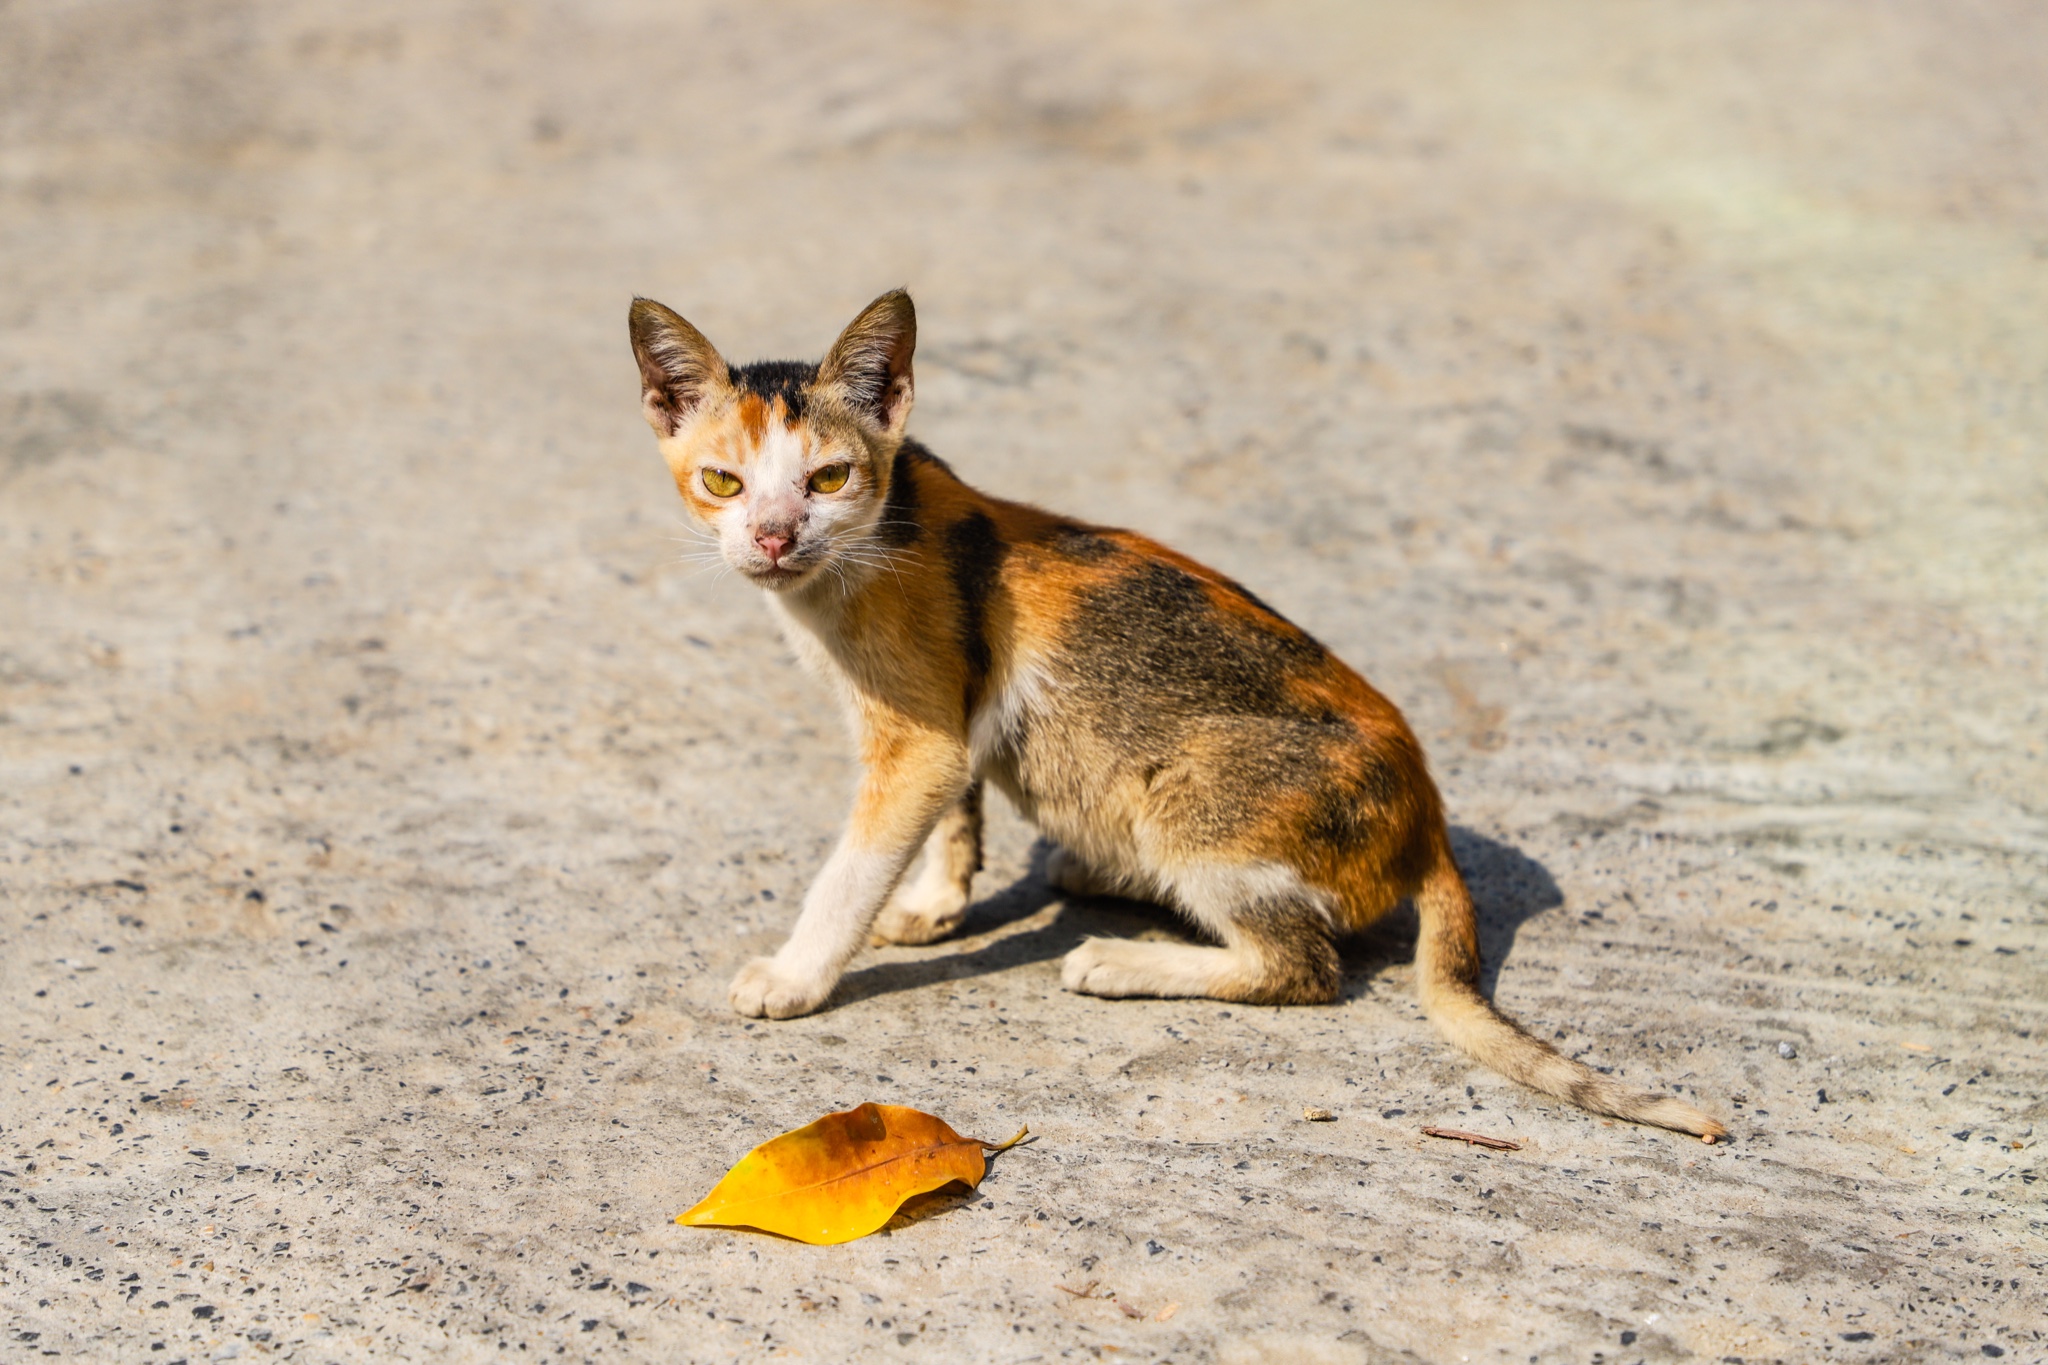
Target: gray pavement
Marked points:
1649	397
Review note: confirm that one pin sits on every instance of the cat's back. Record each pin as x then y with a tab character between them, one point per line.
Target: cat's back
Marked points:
1122	617
1111	624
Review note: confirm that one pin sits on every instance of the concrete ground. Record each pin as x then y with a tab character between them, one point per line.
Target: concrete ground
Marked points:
1649	397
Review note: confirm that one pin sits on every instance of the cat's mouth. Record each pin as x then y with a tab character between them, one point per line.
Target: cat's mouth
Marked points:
778	576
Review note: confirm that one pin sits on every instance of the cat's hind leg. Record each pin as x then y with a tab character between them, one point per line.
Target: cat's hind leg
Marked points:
1278	948
932	901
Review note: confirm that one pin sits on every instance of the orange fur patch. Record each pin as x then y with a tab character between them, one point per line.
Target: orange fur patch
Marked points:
753	417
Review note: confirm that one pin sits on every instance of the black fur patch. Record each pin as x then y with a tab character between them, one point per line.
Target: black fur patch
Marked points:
1080	543
974	553
900	525
789	380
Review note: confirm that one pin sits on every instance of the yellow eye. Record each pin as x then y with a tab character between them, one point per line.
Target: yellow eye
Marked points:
720	484
830	479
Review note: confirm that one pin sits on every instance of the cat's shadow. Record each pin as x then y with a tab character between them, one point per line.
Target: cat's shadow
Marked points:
1508	887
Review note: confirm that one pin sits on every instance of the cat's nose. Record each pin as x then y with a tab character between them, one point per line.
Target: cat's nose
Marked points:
773	546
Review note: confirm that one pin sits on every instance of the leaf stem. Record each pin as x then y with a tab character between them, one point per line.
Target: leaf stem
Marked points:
994	1147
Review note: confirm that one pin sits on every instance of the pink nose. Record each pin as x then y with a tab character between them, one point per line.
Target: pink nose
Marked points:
773	547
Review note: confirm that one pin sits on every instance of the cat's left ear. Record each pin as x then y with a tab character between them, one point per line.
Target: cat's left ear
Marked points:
869	365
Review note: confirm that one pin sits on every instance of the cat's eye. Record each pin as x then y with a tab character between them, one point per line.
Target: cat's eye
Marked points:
830	479
720	484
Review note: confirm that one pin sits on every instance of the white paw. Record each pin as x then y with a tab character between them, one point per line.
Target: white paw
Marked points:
910	917
1102	966
763	990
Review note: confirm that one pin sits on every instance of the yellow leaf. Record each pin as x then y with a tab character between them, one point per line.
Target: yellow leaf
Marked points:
843	1176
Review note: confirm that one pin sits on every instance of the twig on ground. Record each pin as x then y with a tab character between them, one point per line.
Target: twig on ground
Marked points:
1474	1139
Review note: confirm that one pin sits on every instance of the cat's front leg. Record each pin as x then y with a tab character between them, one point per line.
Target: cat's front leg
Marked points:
911	780
932	902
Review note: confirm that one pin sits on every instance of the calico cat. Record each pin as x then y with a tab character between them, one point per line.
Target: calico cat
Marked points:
1179	739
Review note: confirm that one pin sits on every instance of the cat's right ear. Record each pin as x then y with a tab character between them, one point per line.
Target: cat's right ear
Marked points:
679	369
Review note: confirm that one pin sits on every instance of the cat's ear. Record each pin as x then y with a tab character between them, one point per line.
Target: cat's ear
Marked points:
869	365
679	369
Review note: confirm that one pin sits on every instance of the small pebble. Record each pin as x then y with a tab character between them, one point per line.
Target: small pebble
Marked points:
1314	1115
1787	1051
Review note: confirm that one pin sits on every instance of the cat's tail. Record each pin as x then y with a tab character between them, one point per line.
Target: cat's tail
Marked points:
1447	978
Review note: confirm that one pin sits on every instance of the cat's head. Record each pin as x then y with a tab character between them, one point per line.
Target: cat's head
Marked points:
787	464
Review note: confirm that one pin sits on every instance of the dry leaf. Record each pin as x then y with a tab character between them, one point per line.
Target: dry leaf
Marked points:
843	1176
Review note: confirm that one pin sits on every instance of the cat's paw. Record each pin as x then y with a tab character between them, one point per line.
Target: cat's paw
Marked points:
762	990
1105	967
920	917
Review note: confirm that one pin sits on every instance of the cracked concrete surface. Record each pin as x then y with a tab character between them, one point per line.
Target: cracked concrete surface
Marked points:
1648	397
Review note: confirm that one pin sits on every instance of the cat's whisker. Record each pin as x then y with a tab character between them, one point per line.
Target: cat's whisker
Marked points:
868	545
703	560
867	559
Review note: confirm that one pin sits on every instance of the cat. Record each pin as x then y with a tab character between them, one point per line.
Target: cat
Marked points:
1176	737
